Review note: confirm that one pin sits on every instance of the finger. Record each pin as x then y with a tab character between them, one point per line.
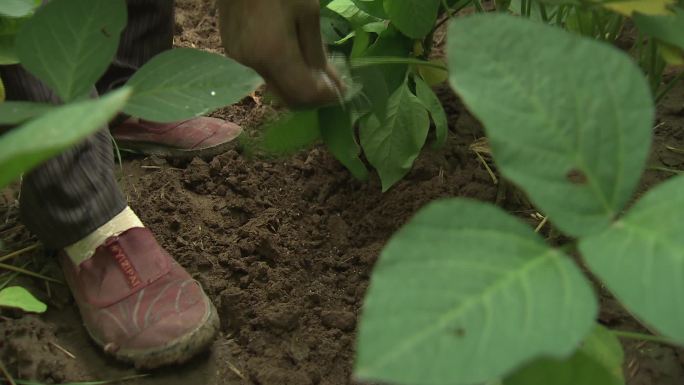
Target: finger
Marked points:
309	35
300	86
335	77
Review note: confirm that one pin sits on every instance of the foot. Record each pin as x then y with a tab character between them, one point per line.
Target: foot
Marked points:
138	304
204	137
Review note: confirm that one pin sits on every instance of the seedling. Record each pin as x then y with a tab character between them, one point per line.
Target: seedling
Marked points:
465	293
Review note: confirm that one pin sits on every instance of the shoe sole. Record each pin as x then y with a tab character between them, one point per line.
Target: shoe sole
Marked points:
150	149
175	352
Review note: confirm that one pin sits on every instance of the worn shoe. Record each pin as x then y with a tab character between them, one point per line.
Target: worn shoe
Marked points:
203	136
138	304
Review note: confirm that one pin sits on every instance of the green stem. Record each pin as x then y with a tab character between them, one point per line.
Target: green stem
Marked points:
615	28
447	9
652	58
543	13
29	273
643	337
6	374
560	14
19	252
12	277
478	6
599	28
665	169
639	49
669	87
373	61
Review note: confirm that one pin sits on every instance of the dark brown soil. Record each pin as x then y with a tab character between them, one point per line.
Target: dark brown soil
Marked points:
285	247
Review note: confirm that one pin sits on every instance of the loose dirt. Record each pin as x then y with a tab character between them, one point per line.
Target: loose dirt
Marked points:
285	248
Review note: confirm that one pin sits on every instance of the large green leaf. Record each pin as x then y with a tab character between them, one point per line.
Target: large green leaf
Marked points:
391	42
434	106
414	18
13	113
640	258
58	130
338	134
569	123
630	7
598	362
184	83
372	7
18	8
393	143
349	10
465	293
669	29
291	132
69	44
9	27
20	298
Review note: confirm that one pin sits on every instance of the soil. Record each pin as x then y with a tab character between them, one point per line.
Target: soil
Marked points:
285	248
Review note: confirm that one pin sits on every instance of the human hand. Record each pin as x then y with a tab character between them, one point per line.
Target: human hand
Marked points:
281	40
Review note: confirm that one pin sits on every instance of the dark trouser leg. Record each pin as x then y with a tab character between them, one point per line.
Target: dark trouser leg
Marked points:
69	196
148	33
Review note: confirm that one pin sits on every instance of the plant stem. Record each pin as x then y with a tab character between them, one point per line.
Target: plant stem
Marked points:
457	8
6	374
652	54
665	169
447	9
559	14
371	61
19	252
478	6
643	337
11	277
543	13
615	28
668	87
29	273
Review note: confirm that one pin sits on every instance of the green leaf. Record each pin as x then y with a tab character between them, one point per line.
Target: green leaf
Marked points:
337	132
598	362
58	130
20	298
640	258
570	123
291	133
669	29
13	113
391	43
433	76
9	27
414	18
372	7
69	44
434	106
18	8
184	83
374	89
333	26
648	7
2	97
349	10
465	293
393	143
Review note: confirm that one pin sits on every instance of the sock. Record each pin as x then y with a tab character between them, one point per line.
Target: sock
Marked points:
85	248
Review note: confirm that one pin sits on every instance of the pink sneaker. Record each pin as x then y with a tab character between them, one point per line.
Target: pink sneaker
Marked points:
201	136
138	304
